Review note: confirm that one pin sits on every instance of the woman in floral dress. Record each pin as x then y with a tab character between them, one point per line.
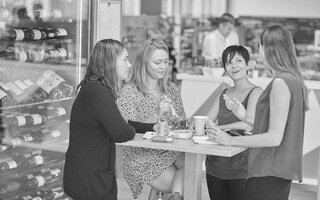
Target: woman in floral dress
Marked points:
140	101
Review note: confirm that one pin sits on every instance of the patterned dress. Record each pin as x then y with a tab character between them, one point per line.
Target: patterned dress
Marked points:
143	165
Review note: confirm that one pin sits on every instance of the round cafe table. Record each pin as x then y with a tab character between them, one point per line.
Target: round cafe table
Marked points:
194	155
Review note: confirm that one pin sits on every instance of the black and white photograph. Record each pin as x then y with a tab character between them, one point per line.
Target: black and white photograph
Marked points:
159	100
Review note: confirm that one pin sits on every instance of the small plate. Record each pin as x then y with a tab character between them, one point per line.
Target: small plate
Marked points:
149	134
203	140
182	134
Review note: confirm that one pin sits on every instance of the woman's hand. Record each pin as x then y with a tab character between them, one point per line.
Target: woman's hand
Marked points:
239	110
219	136
210	124
228	101
236	107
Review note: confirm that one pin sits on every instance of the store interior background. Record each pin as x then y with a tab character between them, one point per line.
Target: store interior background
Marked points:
303	17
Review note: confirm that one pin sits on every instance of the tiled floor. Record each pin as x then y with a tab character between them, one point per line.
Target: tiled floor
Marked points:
297	192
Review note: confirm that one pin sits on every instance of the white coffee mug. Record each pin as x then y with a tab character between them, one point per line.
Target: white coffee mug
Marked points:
199	124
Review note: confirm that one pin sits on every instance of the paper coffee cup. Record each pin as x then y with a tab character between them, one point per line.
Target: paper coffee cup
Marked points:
199	124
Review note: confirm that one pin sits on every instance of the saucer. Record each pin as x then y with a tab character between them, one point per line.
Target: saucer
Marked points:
203	140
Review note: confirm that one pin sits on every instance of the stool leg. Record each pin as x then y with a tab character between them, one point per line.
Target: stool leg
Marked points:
153	194
160	195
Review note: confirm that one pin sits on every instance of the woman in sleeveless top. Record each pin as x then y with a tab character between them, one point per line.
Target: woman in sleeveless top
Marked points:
275	148
226	177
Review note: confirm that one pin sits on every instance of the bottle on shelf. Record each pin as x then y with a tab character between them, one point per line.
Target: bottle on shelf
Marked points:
7	53
43	33
21	56
22	13
55	55
37	195
47	33
35	119
13	121
54	193
5	99
52	91
18	161
12	89
35	160
31	95
16	142
15	54
42	178
9	98
47	14
31	34
56	33
9	187
59	82
48	194
30	175
35	55
13	35
34	88
3	54
53	33
61	32
51	112
3	147
45	134
52	135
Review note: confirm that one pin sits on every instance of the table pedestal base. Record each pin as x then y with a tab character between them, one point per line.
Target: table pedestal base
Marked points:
193	176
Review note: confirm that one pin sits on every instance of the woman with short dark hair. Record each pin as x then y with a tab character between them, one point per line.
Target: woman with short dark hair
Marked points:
275	148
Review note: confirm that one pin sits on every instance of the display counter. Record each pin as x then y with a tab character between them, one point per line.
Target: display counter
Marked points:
198	92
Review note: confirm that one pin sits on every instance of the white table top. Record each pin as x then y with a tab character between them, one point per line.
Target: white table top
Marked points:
183	145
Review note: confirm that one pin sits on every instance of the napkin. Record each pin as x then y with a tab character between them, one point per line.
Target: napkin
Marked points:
149	134
203	140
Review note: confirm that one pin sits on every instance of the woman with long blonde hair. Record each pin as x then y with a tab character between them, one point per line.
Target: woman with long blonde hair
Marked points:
140	101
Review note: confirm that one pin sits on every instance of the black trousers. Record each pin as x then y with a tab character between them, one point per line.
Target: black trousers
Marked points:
267	188
221	189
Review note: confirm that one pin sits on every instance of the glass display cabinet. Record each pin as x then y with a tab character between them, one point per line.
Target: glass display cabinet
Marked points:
43	50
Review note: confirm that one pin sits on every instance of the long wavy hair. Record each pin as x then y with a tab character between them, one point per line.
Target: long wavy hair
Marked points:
143	58
280	53
102	64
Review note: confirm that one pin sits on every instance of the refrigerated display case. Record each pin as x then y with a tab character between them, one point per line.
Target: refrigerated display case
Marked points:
43	51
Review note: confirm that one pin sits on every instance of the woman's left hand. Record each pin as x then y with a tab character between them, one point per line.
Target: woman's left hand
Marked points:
219	136
239	110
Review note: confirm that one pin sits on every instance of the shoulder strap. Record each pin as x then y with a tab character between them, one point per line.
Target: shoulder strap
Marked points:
225	90
245	101
251	90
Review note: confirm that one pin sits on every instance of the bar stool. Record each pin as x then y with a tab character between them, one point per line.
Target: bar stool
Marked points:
160	195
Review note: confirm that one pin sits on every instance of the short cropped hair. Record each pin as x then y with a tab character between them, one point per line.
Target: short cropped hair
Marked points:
231	51
227	17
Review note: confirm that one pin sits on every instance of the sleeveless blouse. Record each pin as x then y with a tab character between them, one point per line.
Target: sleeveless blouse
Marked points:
235	167
285	160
